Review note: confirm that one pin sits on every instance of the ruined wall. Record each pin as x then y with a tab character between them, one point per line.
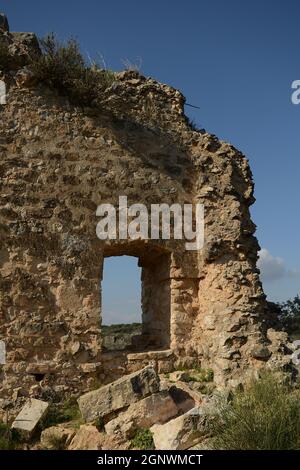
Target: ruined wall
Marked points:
58	163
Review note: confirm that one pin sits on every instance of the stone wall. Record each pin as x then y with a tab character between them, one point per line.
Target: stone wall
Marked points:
58	163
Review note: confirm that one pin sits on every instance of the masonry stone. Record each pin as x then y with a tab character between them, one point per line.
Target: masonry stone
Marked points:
58	163
30	416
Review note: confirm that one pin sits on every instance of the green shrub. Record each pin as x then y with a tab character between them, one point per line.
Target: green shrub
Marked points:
61	413
143	439
6	444
266	416
201	375
197	374
289	315
62	67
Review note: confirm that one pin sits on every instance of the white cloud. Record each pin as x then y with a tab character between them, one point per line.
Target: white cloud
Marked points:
273	268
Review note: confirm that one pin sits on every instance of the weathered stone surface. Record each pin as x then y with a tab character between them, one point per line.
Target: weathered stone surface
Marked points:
25	78
58	163
296	344
119	394
184	397
185	431
20	48
30	416
178	375
261	352
41	368
157	408
206	444
87	438
296	353
56	433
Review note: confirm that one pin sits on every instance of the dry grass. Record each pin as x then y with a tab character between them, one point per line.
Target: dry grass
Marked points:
62	67
266	416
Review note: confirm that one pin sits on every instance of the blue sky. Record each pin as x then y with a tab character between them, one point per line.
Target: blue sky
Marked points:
236	61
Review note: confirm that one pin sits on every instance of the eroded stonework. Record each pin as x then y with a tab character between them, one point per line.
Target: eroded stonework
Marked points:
58	163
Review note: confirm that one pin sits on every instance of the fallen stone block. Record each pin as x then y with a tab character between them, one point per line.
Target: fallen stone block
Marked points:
87	438
157	408
118	395
183	395
184	398
29	417
185	431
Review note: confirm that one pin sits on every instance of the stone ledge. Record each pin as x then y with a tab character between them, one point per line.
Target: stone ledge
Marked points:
150	355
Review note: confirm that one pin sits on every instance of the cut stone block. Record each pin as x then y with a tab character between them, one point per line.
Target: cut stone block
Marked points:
87	438
119	394
184	398
29	417
157	408
185	431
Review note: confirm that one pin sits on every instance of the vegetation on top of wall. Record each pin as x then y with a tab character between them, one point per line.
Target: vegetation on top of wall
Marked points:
265	416
62	66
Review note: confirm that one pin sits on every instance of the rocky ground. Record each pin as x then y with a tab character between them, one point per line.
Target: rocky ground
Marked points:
139	411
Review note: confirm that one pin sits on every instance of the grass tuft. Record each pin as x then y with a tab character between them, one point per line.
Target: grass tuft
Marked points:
61	66
7	439
61	413
143	440
56	442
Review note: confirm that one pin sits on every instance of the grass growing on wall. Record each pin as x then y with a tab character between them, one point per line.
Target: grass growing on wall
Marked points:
62	66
